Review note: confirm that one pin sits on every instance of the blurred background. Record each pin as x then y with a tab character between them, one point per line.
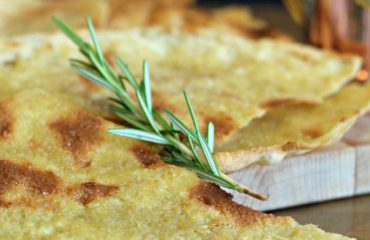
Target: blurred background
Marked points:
271	11
250	2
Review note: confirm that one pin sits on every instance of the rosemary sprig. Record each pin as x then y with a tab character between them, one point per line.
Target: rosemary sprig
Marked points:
183	146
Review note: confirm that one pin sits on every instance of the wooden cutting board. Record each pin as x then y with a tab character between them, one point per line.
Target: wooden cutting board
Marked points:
337	171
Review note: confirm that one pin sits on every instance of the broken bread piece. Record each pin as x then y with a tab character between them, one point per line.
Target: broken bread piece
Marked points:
62	176
238	79
295	129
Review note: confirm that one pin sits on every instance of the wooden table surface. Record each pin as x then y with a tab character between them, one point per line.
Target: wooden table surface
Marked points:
350	217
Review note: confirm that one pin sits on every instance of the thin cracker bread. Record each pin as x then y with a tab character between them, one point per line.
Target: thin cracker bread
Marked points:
62	176
231	80
294	129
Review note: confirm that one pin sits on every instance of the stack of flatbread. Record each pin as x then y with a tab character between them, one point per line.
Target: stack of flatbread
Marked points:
63	177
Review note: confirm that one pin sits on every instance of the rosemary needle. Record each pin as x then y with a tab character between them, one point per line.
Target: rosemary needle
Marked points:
184	146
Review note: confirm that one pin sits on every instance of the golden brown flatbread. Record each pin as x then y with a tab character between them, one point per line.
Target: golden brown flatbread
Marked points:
231	80
295	129
62	176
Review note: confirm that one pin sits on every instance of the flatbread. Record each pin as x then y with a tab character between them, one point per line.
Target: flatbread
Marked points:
295	129
123	14
62	176
231	80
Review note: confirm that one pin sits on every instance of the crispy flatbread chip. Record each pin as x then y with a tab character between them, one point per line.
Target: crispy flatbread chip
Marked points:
231	80
295	129
62	176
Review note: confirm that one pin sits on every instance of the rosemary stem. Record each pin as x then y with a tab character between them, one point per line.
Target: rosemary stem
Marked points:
242	189
147	123
136	112
181	146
